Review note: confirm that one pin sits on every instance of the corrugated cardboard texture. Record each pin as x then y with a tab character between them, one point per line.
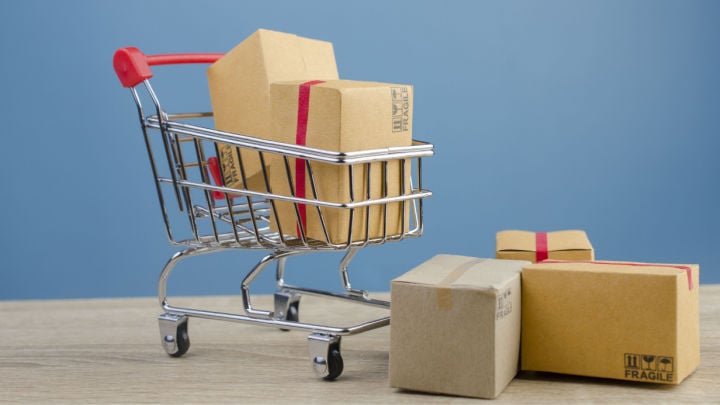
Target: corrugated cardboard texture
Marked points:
455	326
344	116
239	85
622	321
561	245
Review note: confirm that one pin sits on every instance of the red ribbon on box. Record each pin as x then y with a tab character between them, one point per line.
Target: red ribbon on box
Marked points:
300	139
541	246
687	269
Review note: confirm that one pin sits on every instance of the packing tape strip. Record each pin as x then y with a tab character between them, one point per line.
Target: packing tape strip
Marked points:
443	295
541	246
687	269
301	139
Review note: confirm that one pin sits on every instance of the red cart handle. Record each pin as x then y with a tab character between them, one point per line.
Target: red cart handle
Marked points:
132	66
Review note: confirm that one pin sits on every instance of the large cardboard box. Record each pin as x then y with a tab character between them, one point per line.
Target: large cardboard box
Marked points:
627	321
341	116
239	85
539	246
455	326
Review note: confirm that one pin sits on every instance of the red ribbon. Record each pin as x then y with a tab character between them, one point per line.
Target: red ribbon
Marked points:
300	139
541	246
687	269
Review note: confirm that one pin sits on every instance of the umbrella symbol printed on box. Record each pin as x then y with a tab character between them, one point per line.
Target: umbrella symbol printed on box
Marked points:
665	364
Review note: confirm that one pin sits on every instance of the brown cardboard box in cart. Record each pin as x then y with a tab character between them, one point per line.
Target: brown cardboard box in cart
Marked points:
455	326
341	116
239	84
627	321
538	246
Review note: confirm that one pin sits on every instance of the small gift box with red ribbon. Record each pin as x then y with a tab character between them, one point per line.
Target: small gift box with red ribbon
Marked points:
620	320
539	246
340	116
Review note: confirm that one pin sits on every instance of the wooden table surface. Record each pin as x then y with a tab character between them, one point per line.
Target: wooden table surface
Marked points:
108	351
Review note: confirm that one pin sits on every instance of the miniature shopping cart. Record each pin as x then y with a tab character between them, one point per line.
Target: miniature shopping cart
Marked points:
205	216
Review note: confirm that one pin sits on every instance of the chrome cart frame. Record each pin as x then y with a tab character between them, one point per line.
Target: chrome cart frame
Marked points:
215	217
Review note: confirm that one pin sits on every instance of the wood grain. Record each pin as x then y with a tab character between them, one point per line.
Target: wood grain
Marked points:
108	351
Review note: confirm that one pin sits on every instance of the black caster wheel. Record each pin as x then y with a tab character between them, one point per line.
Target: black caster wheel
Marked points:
182	340
334	364
293	313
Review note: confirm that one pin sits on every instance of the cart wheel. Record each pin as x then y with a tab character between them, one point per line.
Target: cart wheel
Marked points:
174	334
327	362
293	313
334	364
182	340
287	307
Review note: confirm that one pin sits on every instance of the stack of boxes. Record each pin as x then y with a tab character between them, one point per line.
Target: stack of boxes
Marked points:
620	320
286	88
460	325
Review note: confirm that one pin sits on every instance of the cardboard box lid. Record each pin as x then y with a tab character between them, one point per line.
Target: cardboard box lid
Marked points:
655	269
556	241
455	271
281	56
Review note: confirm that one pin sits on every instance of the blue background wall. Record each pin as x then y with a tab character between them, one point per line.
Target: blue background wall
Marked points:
599	115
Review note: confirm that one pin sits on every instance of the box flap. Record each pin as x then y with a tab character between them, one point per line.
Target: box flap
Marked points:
341	85
289	57
556	241
687	270
568	240
515	240
456	271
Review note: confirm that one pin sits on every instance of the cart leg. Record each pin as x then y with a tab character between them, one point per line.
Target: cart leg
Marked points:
325	355
259	267
345	276
173	334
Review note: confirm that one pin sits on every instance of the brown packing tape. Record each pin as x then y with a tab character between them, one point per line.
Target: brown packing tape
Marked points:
443	295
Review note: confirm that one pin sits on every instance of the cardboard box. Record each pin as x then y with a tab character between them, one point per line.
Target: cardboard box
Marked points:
455	326
341	116
538	246
627	321
239	85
